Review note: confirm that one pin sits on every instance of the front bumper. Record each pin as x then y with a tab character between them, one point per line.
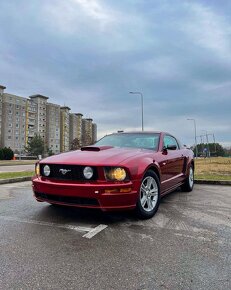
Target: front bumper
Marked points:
105	196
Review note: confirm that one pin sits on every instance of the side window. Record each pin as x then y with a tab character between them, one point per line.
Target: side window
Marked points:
169	140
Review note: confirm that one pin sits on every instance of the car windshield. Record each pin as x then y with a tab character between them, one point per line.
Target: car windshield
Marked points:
134	140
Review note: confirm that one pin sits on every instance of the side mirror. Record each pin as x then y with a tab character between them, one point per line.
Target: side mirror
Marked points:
169	147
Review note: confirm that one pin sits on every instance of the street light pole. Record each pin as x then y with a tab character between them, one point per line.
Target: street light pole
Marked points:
195	132
142	107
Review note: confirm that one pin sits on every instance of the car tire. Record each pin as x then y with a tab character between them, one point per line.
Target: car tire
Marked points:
189	181
148	196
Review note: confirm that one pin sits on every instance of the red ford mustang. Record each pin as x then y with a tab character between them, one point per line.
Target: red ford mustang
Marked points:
121	171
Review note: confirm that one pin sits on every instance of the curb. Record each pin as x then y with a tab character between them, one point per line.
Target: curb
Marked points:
214	182
13	180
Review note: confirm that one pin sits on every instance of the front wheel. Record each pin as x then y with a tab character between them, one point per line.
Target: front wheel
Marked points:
149	196
189	181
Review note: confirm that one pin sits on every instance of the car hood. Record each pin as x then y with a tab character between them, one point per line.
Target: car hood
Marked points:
96	156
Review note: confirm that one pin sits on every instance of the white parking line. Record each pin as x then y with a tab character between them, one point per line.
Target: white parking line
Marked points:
91	232
94	231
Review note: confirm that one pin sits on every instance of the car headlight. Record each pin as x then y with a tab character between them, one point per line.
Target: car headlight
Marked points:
37	169
115	173
88	172
46	170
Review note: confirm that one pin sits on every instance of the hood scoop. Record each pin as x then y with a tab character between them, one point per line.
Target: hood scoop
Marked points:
95	148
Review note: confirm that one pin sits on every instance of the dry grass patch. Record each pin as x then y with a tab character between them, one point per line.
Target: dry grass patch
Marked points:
215	168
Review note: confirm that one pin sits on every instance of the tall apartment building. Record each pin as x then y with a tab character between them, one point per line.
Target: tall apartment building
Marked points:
64	125
41	122
31	120
2	88
94	132
75	128
53	127
13	127
87	131
21	118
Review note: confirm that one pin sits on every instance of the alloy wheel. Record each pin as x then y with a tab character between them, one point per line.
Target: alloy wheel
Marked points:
148	193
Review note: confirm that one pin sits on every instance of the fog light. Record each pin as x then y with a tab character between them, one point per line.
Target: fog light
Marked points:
88	172
46	170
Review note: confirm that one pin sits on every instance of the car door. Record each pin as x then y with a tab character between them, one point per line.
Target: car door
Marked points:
172	162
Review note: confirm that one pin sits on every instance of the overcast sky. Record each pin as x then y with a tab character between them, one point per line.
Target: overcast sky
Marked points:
88	54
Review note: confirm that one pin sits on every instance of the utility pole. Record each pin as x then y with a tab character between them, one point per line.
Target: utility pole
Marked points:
195	134
207	142
215	145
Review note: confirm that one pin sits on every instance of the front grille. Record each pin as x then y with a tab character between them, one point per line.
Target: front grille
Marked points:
67	199
73	172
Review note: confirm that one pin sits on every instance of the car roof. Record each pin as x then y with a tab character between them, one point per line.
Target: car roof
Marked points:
140	132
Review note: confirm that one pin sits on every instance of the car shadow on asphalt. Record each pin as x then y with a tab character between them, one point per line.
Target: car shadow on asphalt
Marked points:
66	214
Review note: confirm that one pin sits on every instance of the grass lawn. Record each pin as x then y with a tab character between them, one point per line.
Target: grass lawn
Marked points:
215	168
6	175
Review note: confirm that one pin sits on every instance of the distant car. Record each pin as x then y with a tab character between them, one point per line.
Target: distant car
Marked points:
121	171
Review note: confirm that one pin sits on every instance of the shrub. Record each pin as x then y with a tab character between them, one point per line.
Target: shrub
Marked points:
8	154
1	154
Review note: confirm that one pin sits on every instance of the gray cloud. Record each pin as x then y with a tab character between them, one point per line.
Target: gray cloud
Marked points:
90	54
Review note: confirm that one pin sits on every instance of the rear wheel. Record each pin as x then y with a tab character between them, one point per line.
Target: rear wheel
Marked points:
149	196
189	181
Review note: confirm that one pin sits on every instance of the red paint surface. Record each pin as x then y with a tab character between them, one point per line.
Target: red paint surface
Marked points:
170	165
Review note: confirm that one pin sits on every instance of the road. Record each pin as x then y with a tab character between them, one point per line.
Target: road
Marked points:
18	168
185	246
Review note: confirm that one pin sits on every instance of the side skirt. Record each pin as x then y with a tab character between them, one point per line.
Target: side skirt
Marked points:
171	189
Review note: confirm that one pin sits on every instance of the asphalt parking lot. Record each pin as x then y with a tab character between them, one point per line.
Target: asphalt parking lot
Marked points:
187	245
